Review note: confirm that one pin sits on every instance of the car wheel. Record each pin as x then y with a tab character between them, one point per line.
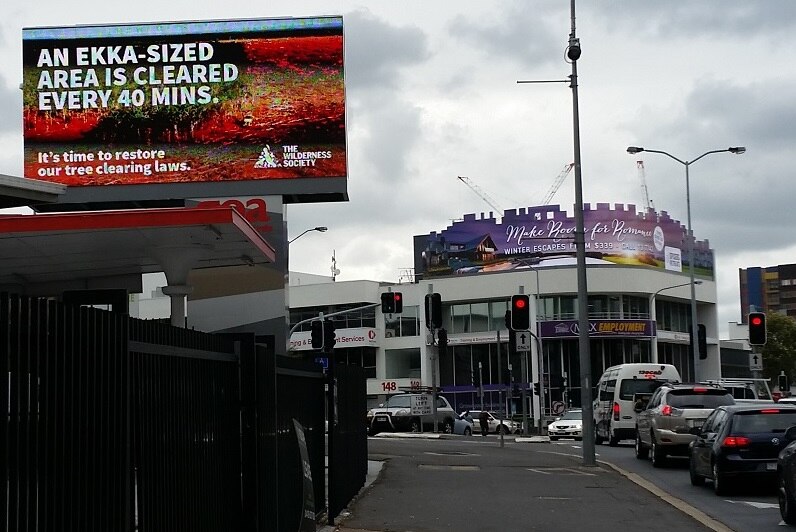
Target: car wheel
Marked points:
696	478
720	482
657	453
447	427
503	429
468	431
597	438
414	426
641	452
613	440
787	506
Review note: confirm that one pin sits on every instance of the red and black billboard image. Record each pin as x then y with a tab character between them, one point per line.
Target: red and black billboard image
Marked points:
185	102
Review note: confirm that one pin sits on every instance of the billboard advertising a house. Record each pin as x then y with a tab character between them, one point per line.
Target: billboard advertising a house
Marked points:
544	236
186	102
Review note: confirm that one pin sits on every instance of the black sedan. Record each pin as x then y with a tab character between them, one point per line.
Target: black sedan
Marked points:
739	442
786	467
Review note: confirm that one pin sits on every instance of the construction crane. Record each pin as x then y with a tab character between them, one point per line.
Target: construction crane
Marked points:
557	183
645	193
481	194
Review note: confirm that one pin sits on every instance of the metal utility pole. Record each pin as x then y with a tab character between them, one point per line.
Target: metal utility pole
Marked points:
573	53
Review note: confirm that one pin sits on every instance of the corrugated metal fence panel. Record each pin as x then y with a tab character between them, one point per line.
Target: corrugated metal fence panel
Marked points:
349	459
186	419
65	383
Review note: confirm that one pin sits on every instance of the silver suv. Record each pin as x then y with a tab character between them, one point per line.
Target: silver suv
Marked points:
396	415
664	427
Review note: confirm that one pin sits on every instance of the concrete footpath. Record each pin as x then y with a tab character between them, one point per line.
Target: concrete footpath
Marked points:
441	482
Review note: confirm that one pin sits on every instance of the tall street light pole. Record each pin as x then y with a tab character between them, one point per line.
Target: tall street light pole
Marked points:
690	237
654	318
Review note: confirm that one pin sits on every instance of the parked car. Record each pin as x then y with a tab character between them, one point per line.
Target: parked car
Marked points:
463	424
739	441
569	425
663	428
396	415
496	425
786	471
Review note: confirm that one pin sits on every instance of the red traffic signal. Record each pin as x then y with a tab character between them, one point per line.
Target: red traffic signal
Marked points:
398	302
520	312
757	328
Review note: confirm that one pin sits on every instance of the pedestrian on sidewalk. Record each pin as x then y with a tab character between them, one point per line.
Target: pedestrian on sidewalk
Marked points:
483	418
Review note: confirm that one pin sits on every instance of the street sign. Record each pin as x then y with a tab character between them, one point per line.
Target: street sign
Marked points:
755	362
523	341
420	405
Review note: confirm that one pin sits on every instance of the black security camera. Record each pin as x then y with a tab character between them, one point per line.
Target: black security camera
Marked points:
573	50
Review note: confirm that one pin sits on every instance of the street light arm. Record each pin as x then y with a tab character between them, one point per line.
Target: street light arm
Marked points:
686	163
319	229
706	153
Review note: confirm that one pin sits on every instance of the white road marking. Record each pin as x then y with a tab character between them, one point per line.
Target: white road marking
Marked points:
755	504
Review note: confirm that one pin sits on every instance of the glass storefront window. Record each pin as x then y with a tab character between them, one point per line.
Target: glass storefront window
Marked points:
402	363
460	318
479	317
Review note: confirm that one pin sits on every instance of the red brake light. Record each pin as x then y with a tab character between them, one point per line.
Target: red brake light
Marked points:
616	411
666	410
735	441
700	390
770	411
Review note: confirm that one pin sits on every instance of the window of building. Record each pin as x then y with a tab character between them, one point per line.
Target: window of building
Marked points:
479	317
460	318
365	357
405	324
402	363
497	315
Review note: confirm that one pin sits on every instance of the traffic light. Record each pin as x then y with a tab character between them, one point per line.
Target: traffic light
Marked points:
328	335
433	311
387	303
757	328
702	341
536	388
317	334
520	312
782	382
398	302
442	340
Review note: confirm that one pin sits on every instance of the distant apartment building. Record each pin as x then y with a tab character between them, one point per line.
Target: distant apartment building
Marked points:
771	289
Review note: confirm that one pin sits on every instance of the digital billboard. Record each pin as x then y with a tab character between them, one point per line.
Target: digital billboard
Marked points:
185	103
545	236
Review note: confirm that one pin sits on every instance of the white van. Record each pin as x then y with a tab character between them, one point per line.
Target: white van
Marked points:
614	414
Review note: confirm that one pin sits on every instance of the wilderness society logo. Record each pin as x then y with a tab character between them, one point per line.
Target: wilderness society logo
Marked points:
291	156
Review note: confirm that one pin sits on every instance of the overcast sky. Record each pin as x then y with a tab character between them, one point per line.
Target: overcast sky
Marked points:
432	94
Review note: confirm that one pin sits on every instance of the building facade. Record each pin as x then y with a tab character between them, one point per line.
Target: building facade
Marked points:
770	289
636	314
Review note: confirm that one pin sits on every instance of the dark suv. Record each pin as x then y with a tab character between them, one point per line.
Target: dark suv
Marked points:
664	427
740	441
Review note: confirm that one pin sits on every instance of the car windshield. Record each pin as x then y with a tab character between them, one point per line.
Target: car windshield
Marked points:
761	421
398	401
709	399
632	386
574	414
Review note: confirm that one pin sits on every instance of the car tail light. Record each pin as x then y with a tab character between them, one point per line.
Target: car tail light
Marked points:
700	390
666	410
735	441
616	411
770	411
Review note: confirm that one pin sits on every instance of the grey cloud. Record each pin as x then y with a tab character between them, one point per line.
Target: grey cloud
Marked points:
10	108
376	51
524	33
717	18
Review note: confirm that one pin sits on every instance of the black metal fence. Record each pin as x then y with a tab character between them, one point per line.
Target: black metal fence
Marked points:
118	424
348	457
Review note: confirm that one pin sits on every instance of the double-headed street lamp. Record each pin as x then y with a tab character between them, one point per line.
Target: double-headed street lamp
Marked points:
654	318
320	229
690	237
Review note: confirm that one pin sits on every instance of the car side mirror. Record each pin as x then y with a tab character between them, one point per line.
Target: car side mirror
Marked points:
790	434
